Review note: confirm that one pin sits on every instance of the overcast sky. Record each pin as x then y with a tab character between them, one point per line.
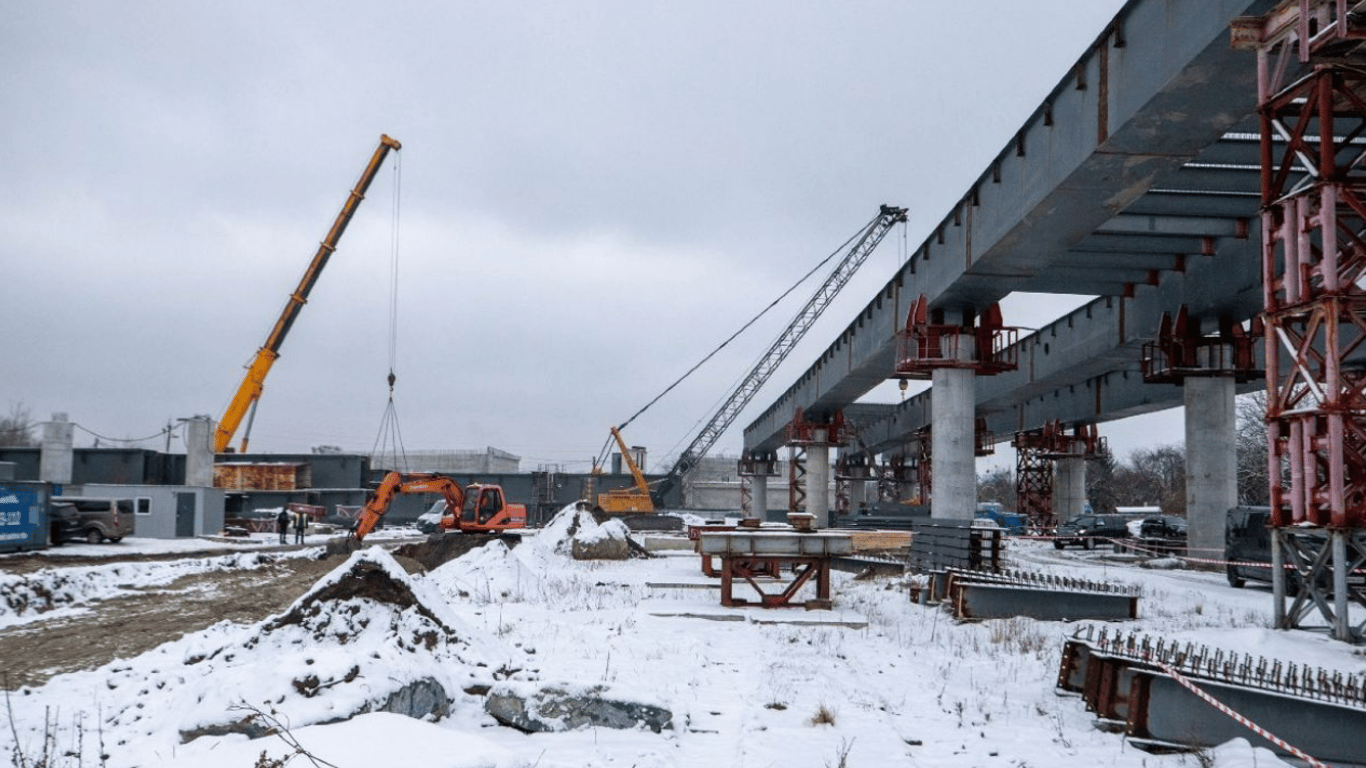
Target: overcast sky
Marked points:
592	197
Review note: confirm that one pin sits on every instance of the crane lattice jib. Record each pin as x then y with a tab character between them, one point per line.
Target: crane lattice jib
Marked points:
863	246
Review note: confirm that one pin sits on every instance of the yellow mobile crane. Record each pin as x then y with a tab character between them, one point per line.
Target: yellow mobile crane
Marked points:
249	392
620	501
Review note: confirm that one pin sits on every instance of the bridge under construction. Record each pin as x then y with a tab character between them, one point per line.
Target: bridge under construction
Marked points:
1199	172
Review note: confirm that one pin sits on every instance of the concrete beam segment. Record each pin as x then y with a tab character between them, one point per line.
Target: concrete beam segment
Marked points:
1123	122
1211	462
1190	226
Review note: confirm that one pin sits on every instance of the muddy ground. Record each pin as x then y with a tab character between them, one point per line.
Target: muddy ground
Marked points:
133	624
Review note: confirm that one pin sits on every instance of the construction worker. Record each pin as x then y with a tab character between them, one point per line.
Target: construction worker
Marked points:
300	525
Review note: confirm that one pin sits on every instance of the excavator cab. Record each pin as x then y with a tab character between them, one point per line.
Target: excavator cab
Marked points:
485	510
482	507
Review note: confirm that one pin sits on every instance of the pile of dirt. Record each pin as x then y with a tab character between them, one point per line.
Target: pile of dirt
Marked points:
365	638
585	535
441	548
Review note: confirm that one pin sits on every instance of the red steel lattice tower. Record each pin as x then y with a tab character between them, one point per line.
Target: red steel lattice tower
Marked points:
1312	110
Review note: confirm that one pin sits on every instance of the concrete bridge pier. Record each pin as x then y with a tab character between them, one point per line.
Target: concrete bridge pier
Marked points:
57	457
1069	487
953	457
858	495
758	497
818	478
1211	462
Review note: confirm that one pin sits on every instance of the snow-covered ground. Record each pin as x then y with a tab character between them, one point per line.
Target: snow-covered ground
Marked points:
908	687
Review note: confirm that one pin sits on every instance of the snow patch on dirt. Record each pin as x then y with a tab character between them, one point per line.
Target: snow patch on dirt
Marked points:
347	646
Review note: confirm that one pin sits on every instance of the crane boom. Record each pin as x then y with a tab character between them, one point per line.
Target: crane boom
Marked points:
787	340
249	391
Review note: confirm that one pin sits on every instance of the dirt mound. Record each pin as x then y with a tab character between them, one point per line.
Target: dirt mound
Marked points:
365	638
584	535
443	547
365	580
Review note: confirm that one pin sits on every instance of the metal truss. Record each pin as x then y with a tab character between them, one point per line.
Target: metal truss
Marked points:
1035	452
1312	108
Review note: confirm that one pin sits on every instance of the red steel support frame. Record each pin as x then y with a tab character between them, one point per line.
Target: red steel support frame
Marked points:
1312	108
800	434
1035	452
803	568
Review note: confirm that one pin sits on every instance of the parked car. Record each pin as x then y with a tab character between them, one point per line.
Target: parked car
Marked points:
1088	530
90	520
1247	545
1162	527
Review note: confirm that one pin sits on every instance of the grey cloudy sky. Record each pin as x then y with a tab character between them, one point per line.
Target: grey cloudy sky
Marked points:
593	196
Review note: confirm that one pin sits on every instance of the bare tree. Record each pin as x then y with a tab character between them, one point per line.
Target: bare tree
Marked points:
997	485
17	428
1254	486
1153	476
1101	489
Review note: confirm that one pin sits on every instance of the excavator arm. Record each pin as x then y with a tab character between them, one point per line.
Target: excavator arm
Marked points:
394	484
249	391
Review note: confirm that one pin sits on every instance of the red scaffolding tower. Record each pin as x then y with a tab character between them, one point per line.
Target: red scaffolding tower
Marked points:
1312	107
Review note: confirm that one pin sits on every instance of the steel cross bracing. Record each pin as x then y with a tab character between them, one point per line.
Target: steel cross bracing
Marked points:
1136	181
887	217
1311	68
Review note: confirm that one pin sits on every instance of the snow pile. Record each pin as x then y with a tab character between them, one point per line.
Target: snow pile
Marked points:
578	534
365	638
489	574
26	596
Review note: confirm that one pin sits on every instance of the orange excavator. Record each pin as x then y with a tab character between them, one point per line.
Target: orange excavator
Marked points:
476	508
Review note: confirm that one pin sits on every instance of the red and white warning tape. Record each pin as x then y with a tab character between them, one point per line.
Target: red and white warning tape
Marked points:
1264	733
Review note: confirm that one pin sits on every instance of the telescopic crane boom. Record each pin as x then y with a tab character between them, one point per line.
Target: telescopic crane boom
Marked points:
864	245
249	391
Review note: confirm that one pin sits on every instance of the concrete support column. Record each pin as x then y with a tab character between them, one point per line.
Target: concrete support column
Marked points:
953	457
818	479
858	495
1069	488
56	460
1211	463
199	452
758	497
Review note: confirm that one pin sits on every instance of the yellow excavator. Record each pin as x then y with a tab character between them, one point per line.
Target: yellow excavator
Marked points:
249	391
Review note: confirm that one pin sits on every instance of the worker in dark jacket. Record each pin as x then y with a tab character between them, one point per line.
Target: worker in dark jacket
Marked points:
300	525
282	525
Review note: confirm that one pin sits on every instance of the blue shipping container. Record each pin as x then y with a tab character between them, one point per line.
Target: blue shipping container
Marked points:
23	516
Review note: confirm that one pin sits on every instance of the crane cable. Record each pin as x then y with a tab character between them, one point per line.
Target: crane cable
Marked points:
603	453
390	438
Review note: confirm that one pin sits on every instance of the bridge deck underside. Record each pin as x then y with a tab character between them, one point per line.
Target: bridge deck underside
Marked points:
1136	181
